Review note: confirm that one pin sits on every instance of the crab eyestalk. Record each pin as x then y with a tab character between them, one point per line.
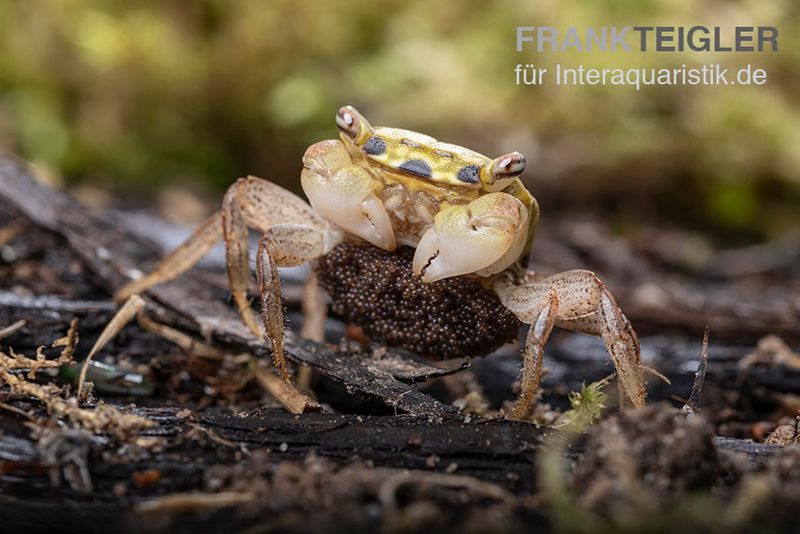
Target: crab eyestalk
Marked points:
353	126
505	170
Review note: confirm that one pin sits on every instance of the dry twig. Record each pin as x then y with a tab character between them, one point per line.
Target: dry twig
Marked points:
290	398
184	341
101	418
693	404
128	311
12	230
12	360
7	331
195	502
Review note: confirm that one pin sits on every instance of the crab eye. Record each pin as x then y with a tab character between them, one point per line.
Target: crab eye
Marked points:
508	165
347	120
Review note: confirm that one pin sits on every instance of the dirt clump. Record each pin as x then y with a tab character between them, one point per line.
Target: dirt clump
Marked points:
642	460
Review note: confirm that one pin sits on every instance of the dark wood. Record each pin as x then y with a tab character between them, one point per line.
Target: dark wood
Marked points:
494	450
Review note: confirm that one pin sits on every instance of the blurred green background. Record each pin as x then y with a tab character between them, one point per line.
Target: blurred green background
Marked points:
138	96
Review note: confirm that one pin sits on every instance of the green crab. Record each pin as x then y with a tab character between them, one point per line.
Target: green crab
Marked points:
464	214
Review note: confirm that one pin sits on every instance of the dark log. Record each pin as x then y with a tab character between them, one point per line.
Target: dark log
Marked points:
494	450
47	317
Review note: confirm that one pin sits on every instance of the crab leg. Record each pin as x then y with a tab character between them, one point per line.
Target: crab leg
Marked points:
533	354
271	210
575	300
179	260
315	309
285	245
255	203
237	255
315	313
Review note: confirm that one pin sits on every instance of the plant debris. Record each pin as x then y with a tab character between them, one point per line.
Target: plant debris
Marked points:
117	323
103	418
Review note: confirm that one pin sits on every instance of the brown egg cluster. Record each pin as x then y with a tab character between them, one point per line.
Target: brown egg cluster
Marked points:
378	291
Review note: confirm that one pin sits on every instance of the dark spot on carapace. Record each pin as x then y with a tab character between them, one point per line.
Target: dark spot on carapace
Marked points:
469	174
416	167
375	146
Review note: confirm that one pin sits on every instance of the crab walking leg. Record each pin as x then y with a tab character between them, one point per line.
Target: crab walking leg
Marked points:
255	203
315	312
265	204
286	245
249	203
584	304
179	260
622	344
533	354
237	255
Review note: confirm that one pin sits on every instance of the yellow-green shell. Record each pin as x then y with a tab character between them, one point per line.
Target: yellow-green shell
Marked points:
444	164
425	157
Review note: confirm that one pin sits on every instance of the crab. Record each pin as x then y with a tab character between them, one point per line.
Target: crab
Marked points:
465	216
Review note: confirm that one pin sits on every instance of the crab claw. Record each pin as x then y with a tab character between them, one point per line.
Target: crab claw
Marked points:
468	238
345	194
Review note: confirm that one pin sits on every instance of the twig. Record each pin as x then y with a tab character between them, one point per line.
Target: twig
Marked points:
18	411
128	311
693	404
213	436
656	374
69	342
289	397
12	360
184	341
7	331
12	230
195	502
103	418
